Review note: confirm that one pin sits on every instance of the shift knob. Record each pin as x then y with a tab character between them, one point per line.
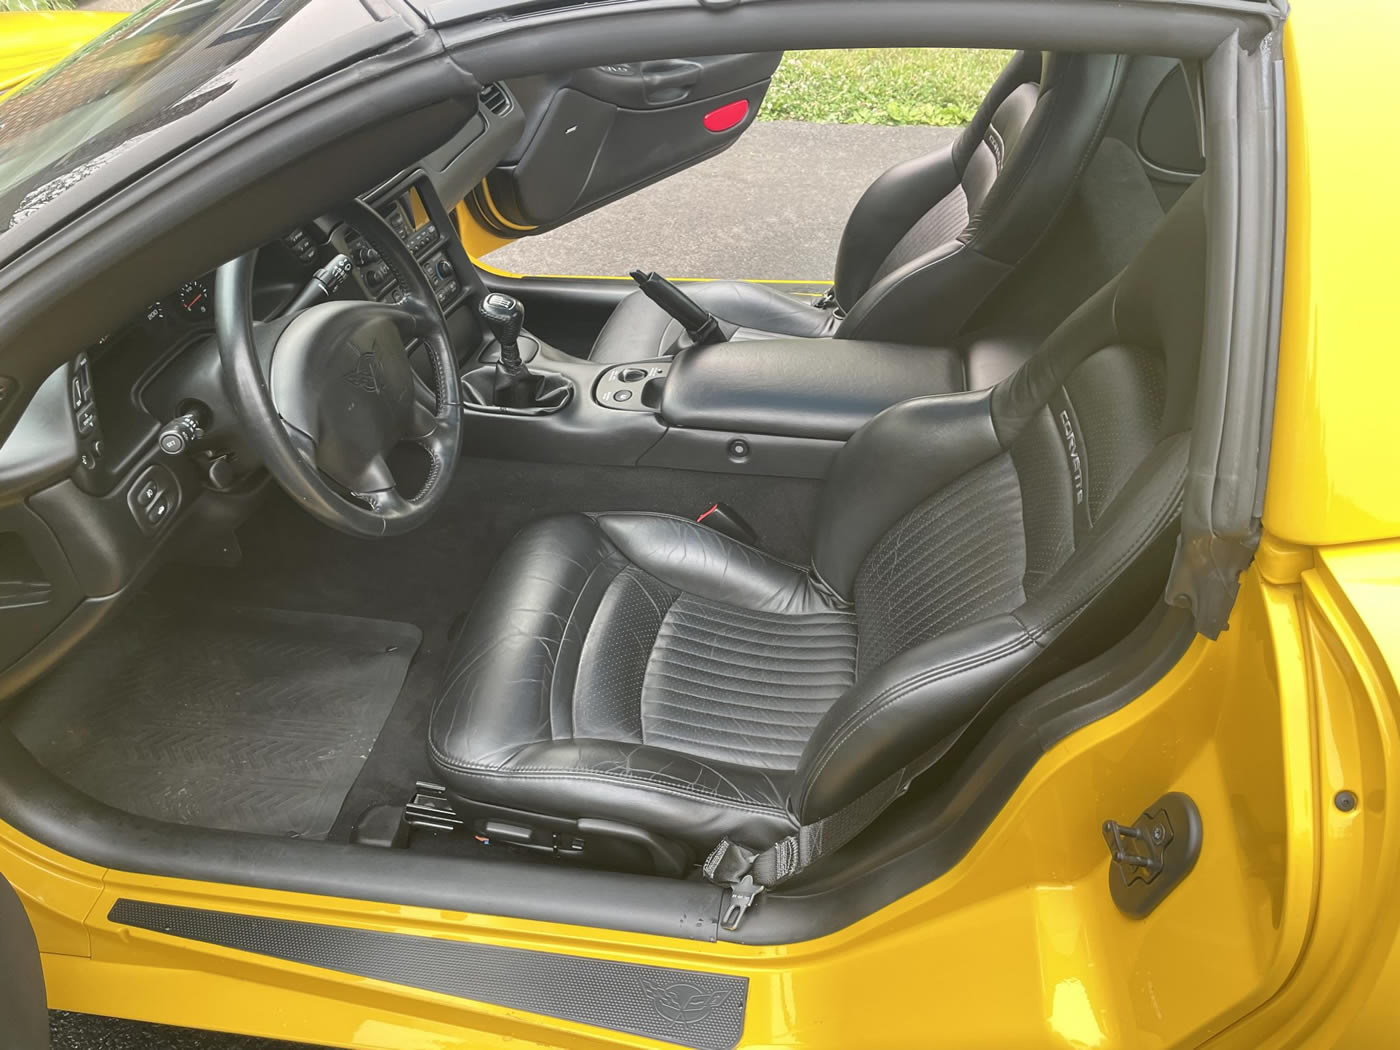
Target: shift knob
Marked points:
505	316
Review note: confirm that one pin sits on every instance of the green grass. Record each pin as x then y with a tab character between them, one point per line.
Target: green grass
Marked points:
911	85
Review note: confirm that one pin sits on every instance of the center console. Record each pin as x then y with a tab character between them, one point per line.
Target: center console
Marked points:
776	407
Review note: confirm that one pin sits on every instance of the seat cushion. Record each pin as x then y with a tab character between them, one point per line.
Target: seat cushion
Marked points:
639	330
645	669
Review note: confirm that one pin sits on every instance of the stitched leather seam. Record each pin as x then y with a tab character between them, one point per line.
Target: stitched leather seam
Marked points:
554	773
1163	516
897	692
563	634
676	517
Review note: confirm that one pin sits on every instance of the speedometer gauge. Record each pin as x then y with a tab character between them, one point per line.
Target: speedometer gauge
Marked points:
193	298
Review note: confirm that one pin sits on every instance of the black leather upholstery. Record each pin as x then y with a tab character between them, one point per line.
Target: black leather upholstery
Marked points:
933	236
643	669
825	388
639	330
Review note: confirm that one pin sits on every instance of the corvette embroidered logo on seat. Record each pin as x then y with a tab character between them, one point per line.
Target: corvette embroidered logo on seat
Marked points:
1076	467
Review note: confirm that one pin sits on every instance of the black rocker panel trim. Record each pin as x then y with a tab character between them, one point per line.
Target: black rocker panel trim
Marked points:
688	1008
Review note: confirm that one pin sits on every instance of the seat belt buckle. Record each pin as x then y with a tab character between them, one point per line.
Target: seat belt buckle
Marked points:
726	520
826	301
742	895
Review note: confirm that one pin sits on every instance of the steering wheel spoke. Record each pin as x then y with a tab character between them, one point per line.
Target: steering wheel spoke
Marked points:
325	410
415	319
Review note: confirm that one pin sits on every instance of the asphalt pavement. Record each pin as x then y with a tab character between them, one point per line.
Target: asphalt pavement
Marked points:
773	206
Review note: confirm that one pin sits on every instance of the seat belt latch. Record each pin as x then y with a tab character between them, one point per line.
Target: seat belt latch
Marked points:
742	895
726	520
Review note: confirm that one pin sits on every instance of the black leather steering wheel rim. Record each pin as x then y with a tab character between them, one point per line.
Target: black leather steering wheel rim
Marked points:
310	388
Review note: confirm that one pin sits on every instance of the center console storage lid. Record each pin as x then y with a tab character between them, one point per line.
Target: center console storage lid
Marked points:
815	388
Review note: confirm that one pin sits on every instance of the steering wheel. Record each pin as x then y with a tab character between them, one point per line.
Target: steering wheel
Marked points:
326	394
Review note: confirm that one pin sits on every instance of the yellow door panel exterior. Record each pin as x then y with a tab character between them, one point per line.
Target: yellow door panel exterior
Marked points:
1334	452
1019	945
31	41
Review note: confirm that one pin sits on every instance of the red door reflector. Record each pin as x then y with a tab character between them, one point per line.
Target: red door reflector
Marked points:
728	116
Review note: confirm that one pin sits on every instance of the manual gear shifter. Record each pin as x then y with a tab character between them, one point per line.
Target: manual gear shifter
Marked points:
505	316
508	385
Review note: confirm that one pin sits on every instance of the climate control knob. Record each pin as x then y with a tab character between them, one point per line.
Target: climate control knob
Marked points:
444	268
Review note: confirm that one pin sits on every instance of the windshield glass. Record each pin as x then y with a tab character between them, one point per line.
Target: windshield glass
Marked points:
161	64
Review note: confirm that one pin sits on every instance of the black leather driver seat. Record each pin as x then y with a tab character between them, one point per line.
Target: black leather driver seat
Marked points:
932	237
643	669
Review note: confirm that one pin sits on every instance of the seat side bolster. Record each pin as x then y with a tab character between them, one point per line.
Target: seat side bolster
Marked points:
891	465
693	800
708	564
926	301
523	640
907	707
885	212
1055	147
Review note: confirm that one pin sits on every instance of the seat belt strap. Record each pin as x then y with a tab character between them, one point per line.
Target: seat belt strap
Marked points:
747	872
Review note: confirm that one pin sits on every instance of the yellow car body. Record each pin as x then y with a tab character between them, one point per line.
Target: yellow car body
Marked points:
1019	945
31	41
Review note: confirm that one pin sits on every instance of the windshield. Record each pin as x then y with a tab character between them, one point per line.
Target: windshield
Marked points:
147	72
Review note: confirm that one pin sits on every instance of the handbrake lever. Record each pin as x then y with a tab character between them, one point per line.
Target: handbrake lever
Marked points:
701	325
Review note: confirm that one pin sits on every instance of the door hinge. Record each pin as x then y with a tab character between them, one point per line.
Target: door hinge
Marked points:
1151	856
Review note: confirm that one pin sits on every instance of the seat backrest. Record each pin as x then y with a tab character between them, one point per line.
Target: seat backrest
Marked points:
933	236
990	540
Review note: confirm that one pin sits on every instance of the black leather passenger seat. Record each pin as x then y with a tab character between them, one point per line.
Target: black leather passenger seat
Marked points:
933	236
646	670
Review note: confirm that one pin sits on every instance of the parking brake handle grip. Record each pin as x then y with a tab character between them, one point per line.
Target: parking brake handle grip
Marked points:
699	323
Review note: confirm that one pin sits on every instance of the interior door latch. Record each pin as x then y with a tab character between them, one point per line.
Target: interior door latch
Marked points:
1152	855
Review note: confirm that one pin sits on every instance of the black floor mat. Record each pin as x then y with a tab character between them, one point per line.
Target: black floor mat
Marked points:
239	719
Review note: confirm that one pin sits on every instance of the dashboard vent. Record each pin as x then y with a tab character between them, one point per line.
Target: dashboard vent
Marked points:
494	98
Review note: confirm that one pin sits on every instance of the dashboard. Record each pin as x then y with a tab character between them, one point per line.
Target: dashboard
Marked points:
162	365
90	504
100	492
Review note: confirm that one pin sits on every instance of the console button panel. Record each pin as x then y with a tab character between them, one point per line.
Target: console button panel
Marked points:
633	387
153	498
84	408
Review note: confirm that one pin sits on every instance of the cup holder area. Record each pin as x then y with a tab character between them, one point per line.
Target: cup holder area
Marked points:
632	388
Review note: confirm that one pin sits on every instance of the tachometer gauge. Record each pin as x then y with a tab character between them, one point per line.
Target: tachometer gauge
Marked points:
193	298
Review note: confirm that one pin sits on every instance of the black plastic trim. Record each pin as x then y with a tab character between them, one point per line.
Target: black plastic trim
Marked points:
685	1007
567	36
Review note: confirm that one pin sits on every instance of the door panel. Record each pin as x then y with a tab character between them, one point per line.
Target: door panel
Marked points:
598	134
23	1006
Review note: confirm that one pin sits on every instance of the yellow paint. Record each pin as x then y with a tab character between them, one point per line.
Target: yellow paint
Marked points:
1019	945
31	41
1336	442
490	203
1286	934
476	239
